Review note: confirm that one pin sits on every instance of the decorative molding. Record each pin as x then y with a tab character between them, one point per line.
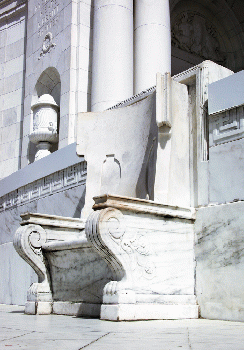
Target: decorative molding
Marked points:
72	176
227	126
142	206
127	255
28	242
134	98
200	75
163	100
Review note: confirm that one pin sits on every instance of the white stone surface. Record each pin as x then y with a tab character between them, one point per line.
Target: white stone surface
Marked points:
15	276
12	63
44	125
151	258
76	309
112	63
118	162
219	261
226	93
151	20
197	79
128	312
226	167
173	167
68	268
78	275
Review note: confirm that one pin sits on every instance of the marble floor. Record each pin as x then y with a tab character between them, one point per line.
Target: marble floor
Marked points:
54	332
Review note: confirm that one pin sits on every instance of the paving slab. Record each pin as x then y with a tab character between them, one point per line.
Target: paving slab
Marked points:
57	332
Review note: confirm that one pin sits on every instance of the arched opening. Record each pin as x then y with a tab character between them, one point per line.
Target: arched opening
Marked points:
48	84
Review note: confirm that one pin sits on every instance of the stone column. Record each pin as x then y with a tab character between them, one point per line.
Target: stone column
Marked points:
152	42
112	66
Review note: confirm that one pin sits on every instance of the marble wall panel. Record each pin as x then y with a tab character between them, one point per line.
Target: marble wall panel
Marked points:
170	243
8	167
11	116
15	276
65	203
12	64
219	250
10	220
78	275
226	168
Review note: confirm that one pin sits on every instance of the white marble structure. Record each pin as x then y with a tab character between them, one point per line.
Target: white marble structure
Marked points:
164	163
44	125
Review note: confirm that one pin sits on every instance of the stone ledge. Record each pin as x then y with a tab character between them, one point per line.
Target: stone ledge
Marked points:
130	312
142	206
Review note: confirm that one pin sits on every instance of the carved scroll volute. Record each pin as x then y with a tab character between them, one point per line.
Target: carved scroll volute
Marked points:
105	229
28	241
99	226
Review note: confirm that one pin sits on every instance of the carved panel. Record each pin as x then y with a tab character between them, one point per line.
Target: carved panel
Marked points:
128	256
194	33
70	177
227	126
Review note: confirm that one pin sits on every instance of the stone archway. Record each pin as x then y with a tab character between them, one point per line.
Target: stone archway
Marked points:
48	83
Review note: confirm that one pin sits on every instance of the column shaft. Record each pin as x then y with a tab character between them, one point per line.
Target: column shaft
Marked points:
112	66
152	42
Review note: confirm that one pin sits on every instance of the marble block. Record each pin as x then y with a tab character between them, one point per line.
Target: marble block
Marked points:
150	250
119	162
219	251
71	275
226	168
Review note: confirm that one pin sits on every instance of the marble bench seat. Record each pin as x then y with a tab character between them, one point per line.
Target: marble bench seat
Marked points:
131	259
71	274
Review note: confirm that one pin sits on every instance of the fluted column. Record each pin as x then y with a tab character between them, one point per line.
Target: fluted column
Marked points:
112	66
152	42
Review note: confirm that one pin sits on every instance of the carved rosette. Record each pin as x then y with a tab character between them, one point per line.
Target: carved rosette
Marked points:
28	242
45	121
127	256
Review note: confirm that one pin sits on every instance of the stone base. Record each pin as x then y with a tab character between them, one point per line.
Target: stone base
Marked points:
130	312
38	308
76	309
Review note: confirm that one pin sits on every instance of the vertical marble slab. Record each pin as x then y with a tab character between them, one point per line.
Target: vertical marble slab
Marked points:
219	250
226	169
13	22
